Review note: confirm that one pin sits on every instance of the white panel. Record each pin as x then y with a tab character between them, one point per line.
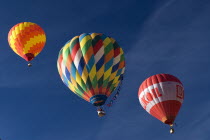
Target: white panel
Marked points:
99	54
77	58
168	91
117	59
63	68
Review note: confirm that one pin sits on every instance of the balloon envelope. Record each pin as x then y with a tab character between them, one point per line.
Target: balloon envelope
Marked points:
27	39
91	66
161	96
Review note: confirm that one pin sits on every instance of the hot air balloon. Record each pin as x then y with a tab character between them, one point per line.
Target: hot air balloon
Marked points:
27	39
91	65
161	96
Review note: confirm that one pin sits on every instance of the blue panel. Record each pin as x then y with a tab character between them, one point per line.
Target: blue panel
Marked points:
73	71
81	66
65	80
67	74
91	63
115	67
108	64
100	63
82	36
119	72
103	37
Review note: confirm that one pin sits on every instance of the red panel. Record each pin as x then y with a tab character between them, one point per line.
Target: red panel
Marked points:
74	50
97	46
158	78
116	52
166	111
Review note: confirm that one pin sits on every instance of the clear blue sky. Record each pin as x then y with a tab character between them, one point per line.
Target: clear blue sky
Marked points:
158	36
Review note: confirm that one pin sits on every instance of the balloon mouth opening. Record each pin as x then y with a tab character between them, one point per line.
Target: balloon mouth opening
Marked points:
168	120
28	56
98	100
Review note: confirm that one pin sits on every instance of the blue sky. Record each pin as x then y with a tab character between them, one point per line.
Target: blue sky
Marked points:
158	36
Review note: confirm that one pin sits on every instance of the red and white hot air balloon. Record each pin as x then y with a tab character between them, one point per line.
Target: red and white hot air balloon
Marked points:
161	96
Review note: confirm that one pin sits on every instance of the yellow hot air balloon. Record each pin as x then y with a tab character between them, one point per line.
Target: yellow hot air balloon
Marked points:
27	39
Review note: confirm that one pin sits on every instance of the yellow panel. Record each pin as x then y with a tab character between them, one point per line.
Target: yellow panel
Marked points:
92	73
33	41
106	41
66	47
100	72
116	79
84	40
78	79
85	75
93	35
107	73
74	83
112	76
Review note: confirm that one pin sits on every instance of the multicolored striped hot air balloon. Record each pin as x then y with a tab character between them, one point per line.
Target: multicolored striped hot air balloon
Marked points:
27	39
91	65
161	96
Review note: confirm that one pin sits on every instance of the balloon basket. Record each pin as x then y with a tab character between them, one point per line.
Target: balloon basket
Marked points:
29	64
171	129
101	112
